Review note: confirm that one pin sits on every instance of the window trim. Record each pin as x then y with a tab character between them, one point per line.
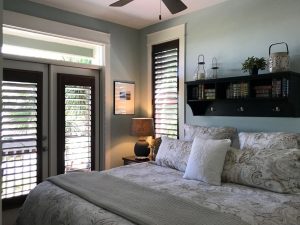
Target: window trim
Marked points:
67	79
37	77
173	33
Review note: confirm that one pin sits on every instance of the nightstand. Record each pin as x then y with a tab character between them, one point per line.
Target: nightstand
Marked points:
131	160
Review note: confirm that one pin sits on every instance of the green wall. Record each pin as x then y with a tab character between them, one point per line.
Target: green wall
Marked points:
232	31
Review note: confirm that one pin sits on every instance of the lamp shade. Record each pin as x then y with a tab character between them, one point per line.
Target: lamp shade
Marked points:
142	127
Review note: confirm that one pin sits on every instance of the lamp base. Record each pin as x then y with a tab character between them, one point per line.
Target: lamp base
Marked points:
141	149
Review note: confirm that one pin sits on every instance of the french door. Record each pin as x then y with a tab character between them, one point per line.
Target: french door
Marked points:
23	130
76	123
74	97
32	117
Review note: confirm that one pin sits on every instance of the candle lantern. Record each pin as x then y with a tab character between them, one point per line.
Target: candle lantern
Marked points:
200	71
214	67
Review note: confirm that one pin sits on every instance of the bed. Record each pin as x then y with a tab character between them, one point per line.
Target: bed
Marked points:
50	204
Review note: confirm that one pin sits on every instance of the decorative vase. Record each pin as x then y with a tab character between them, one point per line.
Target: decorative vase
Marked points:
253	71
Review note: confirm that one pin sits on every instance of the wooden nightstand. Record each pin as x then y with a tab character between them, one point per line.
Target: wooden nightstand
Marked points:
131	160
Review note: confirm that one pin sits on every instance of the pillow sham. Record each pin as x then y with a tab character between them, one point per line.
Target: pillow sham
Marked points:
272	140
206	160
156	144
173	153
275	170
217	133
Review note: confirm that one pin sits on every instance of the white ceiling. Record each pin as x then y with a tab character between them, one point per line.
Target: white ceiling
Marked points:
137	14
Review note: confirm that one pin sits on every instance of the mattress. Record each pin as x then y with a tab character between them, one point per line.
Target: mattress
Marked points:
48	204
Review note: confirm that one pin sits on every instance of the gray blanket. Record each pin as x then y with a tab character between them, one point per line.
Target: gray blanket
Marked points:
139	204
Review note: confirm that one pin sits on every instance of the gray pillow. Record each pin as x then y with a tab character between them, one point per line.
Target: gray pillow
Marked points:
173	153
271	140
216	133
275	170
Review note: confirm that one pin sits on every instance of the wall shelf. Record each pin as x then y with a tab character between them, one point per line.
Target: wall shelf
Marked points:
264	95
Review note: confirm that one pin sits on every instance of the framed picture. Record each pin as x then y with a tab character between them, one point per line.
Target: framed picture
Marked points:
124	97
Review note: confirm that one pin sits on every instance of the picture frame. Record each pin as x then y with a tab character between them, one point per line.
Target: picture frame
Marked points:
124	98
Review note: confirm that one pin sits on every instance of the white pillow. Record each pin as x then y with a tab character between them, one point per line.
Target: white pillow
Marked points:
206	160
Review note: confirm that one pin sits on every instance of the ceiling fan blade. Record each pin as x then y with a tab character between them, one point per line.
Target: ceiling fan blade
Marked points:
175	6
120	3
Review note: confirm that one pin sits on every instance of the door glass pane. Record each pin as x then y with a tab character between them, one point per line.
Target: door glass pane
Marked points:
19	138
78	128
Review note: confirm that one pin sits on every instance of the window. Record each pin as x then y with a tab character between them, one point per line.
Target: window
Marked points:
33	44
165	88
76	123
21	131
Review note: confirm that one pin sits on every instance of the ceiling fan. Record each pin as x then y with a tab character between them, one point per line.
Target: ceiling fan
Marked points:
175	6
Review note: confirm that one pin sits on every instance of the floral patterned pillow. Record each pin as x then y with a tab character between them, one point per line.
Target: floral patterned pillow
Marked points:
273	140
217	133
275	170
173	153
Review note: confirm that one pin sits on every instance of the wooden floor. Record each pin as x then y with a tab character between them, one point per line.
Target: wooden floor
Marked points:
9	216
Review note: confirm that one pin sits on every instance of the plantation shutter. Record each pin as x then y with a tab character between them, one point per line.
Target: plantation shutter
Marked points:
20	132
76	123
78	128
165	88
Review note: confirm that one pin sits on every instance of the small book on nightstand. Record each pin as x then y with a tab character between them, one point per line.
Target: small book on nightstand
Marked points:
132	159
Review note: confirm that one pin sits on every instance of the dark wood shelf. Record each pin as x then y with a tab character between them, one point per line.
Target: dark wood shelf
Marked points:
284	85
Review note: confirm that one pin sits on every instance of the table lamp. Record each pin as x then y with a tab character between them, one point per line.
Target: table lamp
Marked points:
142	127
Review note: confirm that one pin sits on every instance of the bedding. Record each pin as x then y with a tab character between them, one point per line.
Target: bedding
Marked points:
192	131
268	140
154	207
271	169
173	153
206	160
49	204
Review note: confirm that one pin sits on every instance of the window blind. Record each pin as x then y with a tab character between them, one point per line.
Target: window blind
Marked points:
19	138
165	88
75	123
77	128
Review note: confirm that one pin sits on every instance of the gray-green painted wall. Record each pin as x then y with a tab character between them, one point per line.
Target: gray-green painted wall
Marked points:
124	57
232	31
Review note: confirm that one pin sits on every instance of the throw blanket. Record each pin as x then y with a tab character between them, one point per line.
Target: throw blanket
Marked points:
139	204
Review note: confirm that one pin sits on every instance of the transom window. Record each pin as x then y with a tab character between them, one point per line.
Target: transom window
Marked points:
21	42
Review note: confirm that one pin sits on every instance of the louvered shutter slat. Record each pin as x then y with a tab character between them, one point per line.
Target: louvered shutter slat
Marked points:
19	138
78	127
165	93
